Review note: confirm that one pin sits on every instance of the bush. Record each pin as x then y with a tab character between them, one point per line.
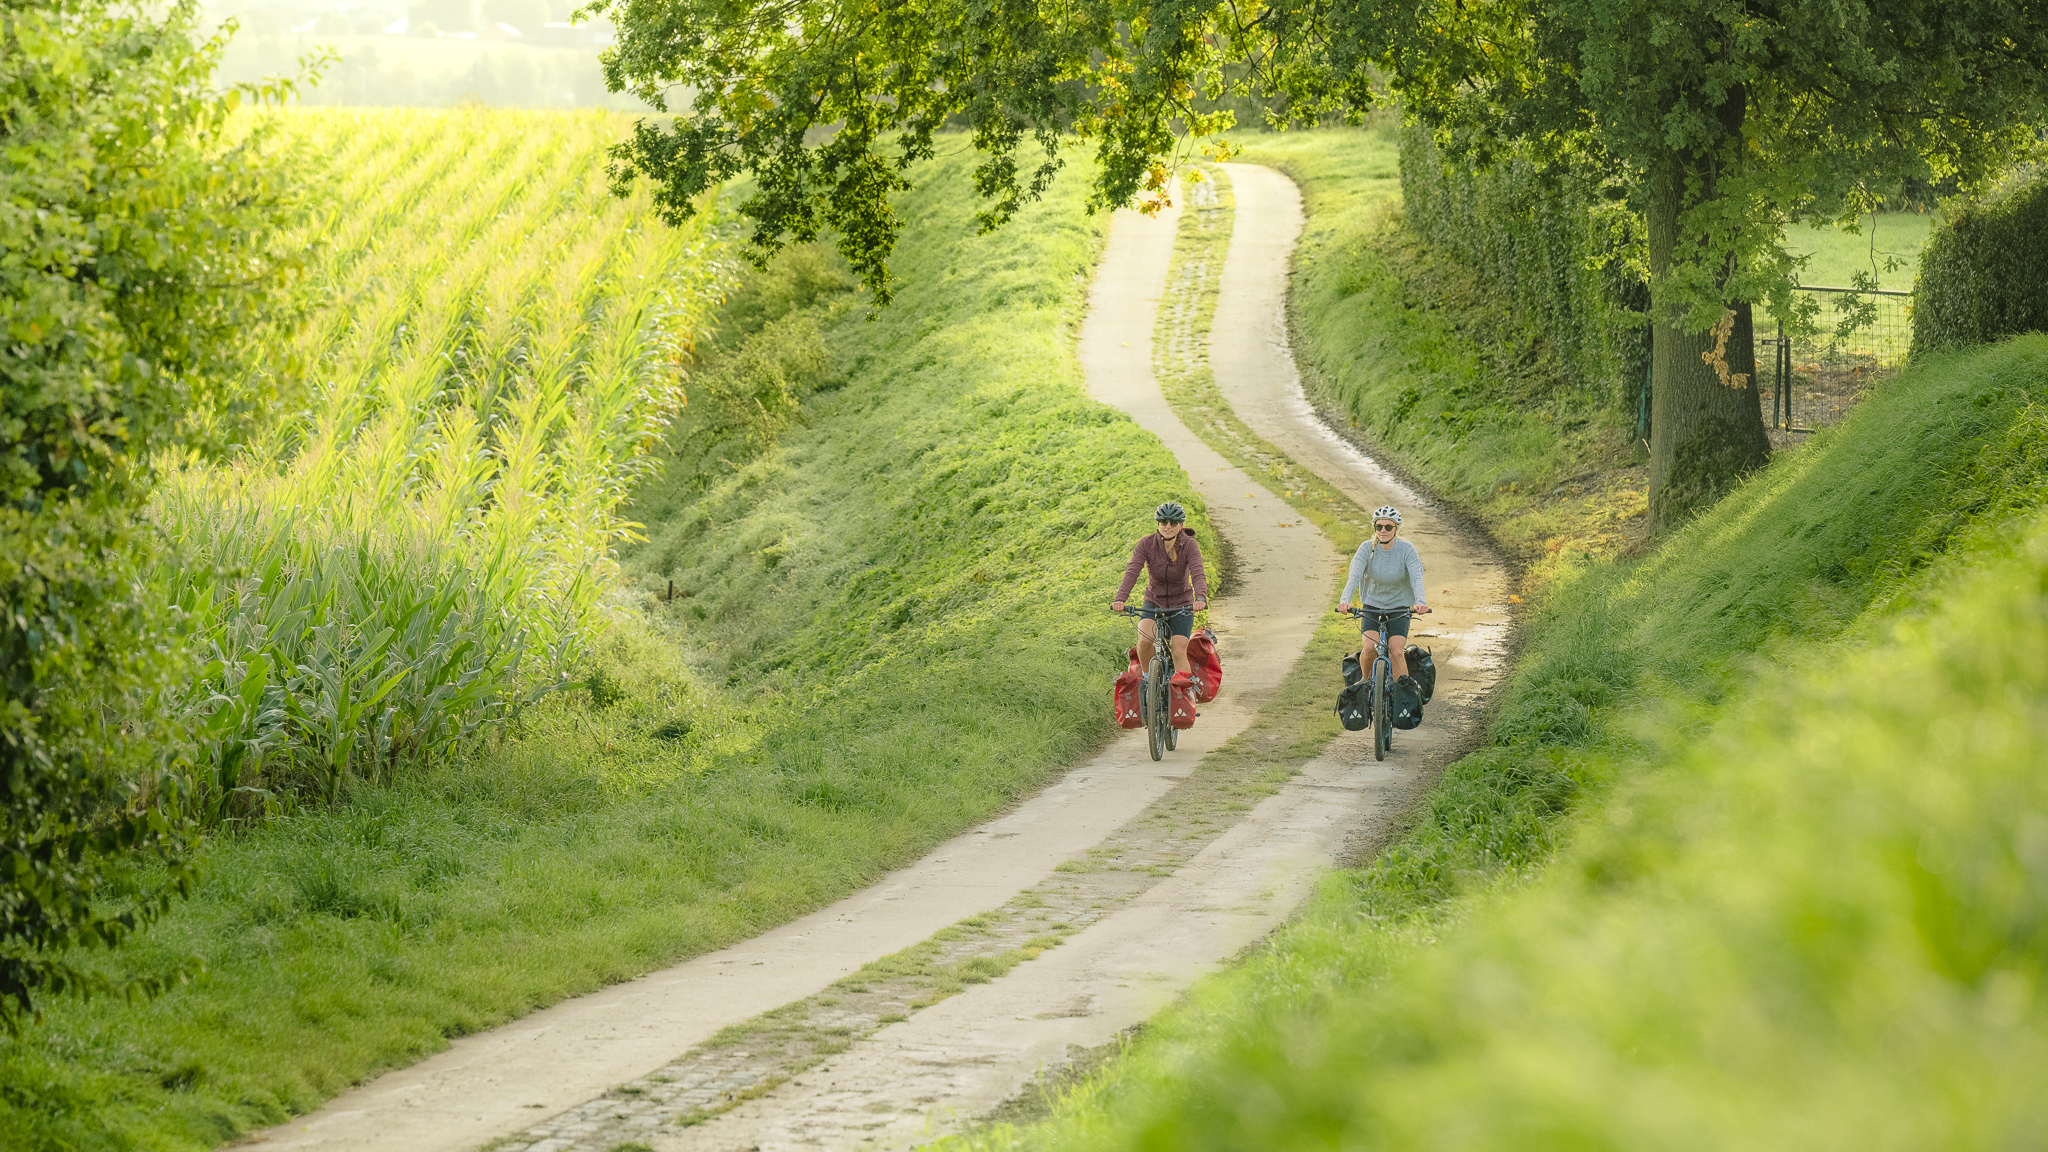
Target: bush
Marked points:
1553	247
1984	274
141	257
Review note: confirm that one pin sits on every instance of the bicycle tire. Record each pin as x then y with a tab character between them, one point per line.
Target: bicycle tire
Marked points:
1155	732
1382	711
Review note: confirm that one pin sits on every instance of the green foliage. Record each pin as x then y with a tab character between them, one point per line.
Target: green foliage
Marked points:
1733	116
143	248
329	654
766	355
1570	261
1799	894
488	370
762	79
583	846
967	500
1984	274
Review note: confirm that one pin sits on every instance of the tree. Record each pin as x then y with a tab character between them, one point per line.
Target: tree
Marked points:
1724	118
1728	119
139	246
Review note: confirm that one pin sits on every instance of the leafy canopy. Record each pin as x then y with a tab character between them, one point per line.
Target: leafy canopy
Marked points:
757	82
1759	109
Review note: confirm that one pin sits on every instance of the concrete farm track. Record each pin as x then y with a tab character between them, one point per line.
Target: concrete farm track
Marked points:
541	1083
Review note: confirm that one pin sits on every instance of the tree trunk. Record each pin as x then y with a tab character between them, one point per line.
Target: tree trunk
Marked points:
1705	434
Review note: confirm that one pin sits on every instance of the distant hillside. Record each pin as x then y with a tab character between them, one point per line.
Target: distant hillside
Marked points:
500	53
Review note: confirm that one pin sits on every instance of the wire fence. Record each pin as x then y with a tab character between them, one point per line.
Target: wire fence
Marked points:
1861	338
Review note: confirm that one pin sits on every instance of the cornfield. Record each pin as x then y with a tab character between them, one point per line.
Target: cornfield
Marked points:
495	345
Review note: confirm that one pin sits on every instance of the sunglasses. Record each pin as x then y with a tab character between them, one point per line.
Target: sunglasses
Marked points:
1384	527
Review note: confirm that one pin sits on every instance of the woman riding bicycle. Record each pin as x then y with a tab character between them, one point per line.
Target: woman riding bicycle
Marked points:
1387	574
1173	565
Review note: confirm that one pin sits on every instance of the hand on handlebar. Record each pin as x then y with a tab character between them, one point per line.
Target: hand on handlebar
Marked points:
1117	607
1422	609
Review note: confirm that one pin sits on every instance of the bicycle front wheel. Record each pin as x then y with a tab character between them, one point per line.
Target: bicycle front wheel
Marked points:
1155	732
1382	714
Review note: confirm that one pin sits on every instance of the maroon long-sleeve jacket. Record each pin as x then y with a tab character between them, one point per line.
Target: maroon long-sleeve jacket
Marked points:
1166	580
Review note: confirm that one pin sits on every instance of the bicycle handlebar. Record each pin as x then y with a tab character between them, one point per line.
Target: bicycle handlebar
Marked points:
1382	613
1155	613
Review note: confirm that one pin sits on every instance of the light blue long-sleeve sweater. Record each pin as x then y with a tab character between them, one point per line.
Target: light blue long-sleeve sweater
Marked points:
1391	576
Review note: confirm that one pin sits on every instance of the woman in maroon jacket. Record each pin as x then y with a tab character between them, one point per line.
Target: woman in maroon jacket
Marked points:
1173	579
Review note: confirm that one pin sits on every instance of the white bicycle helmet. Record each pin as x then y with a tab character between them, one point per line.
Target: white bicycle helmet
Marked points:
1386	512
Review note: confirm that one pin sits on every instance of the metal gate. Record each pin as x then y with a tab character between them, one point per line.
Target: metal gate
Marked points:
1817	379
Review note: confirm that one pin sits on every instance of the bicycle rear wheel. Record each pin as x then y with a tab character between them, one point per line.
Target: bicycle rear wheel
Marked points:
1382	712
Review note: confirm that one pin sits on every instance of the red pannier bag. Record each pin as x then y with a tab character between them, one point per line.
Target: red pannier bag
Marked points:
1180	706
1125	696
1208	667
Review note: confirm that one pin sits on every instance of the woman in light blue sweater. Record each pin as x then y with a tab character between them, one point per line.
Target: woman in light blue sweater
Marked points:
1386	574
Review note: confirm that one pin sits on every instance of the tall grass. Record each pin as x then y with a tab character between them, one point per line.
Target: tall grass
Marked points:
420	550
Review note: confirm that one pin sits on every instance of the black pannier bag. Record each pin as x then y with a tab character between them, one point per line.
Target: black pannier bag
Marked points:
1422	666
1354	703
1406	701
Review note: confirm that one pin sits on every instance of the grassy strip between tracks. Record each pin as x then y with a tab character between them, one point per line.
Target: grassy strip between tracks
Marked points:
1789	756
889	624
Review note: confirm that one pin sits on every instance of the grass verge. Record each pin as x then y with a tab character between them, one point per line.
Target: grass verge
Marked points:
891	626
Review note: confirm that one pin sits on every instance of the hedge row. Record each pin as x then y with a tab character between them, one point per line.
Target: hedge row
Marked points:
1549	243
1984	275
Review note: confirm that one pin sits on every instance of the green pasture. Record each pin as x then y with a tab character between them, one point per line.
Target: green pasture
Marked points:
1886	246
1753	858
889	623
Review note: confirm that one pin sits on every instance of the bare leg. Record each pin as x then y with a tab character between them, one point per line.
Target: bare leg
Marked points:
1147	628
1397	651
1180	655
1368	651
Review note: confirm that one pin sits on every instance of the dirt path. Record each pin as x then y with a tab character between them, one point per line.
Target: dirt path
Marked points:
1118	886
1248	350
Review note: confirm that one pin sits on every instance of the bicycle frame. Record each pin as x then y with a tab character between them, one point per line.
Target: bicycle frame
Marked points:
1382	676
1161	736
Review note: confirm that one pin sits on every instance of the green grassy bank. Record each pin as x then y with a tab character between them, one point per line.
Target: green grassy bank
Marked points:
1756	857
890	625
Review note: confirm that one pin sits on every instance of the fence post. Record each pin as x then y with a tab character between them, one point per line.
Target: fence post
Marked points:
1781	393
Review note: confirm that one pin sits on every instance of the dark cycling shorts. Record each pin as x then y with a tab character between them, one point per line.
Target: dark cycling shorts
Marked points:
1397	621
1181	623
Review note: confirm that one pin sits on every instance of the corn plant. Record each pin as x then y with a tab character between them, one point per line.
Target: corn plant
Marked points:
420	551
